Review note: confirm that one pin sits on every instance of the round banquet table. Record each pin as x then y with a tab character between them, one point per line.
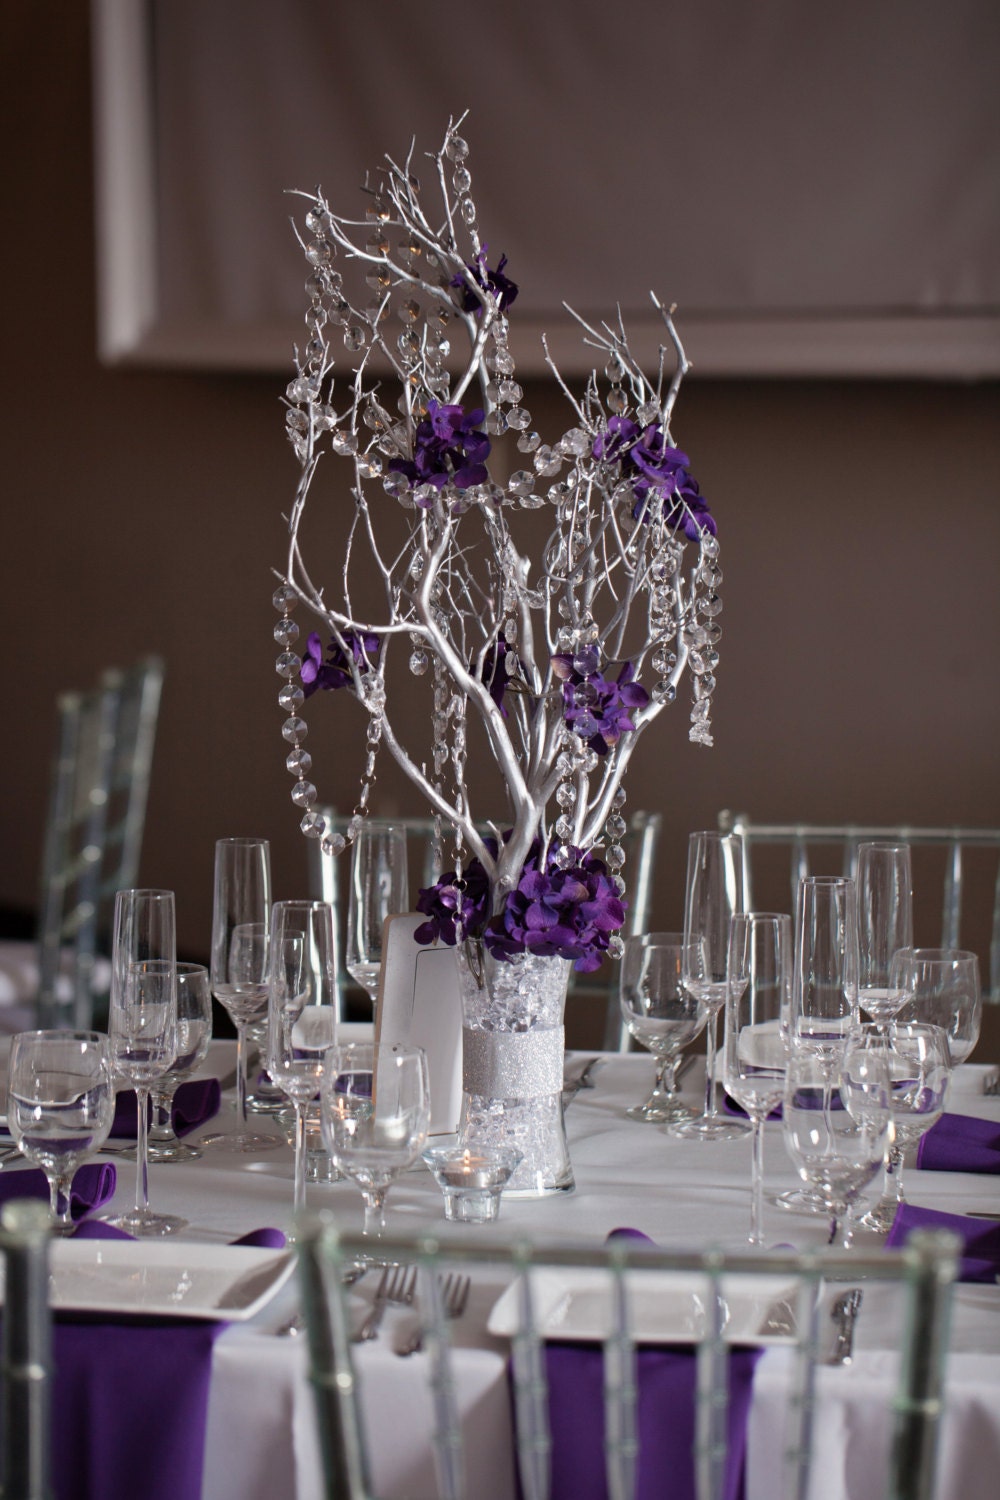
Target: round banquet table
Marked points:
261	1436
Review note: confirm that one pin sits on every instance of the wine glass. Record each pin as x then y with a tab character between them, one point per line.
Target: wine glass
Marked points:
824	1003
60	1105
142	1026
756	1030
662	1013
241	909
714	892
194	1035
885	923
835	1123
302	1011
941	986
376	1114
379	887
919	1066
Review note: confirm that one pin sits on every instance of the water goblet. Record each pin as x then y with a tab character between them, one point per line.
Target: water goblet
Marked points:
376	1114
714	891
379	888
885	924
755	1047
142	1026
60	1105
302	1011
918	1062
835	1123
662	1013
941	986
194	1034
240	913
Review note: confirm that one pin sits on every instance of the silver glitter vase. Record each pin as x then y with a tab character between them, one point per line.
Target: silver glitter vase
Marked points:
512	1064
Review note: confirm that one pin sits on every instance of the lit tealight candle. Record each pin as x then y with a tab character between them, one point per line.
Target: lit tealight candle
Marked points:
472	1180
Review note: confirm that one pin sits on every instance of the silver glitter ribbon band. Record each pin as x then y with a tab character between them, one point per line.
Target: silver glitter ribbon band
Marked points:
512	1064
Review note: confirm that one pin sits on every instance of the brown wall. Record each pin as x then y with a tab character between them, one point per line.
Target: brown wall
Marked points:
860	525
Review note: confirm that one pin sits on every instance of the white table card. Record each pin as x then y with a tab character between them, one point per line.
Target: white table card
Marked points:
419	1002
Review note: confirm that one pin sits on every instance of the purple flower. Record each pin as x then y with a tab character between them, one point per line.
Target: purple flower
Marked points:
448	447
503	289
335	672
659	475
555	913
599	711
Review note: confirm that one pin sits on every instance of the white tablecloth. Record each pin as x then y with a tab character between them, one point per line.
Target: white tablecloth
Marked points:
261	1434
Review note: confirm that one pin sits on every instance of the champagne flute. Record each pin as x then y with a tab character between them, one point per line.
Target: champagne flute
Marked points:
714	892
919	1067
941	986
194	1035
756	1032
142	1026
379	887
885	923
835	1124
824	1003
60	1105
376	1114
241	908
662	1013
302	1011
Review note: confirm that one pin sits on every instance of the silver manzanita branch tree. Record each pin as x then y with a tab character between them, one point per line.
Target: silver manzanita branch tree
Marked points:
565	652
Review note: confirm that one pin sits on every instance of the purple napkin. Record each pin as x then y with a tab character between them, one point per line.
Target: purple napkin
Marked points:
195	1102
980	1238
665	1417
960	1143
93	1185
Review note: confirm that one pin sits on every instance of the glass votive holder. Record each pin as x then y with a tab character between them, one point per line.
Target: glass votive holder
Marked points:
472	1179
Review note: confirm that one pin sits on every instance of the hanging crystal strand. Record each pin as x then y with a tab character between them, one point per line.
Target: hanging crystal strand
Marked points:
703	657
614	857
663	572
291	697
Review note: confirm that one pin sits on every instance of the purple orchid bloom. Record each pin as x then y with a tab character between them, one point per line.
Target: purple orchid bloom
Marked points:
599	711
504	290
448	447
659	475
335	672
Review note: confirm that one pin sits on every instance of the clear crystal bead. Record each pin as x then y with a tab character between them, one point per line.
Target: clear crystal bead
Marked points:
664	692
713	632
333	843
303	794
614	856
566	794
527	442
318	252
709	545
615	827
291	697
295	730
468	211
616	945
710	605
575	441
419	662
620	797
616	401
456	149
298	762
286	632
648	412
354	337
518	418
704	686
284	597
587	661
288	664
344	441
313	825
564	829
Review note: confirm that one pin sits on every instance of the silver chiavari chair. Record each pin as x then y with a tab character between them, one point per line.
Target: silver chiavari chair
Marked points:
25	1379
924	1270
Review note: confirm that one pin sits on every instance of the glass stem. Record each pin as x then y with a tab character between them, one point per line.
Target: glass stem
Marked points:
374	1211
894	1173
59	1201
757	1180
241	1078
142	1151
162	1128
711	1032
299	1202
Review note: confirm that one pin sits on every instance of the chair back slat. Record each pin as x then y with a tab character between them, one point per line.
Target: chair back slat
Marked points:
25	1423
926	1269
951	911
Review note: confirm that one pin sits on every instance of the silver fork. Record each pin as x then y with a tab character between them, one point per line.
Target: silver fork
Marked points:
454	1297
397	1284
844	1313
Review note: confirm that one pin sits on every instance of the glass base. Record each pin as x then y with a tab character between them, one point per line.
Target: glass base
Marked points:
659	1110
143	1223
709	1128
879	1219
173	1151
245	1142
801	1201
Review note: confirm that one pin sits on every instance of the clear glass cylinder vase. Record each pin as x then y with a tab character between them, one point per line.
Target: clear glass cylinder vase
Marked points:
512	1064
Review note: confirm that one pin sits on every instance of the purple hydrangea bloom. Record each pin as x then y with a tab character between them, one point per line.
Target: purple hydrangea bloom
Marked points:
597	710
658	472
335	672
503	289
555	913
448	447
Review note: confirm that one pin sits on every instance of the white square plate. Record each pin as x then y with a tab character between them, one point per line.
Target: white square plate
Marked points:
230	1283
665	1307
